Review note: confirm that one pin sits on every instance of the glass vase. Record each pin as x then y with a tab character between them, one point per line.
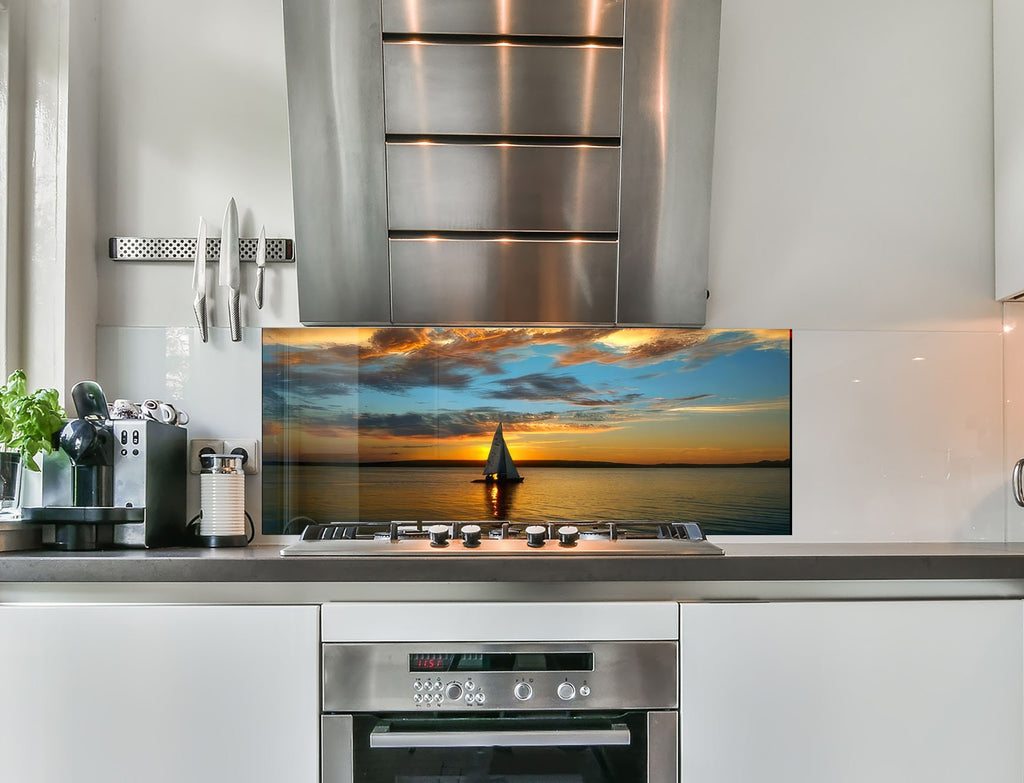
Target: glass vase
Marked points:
11	470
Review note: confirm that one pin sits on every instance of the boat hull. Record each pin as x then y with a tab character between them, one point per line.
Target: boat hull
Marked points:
519	480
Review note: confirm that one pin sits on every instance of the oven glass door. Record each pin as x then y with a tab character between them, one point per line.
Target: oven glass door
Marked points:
595	748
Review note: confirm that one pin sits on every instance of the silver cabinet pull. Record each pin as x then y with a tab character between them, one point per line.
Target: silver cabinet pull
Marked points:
383	737
1018	488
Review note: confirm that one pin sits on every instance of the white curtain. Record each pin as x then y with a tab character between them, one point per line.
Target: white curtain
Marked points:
48	247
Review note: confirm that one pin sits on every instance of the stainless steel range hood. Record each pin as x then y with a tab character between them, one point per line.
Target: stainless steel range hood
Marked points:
502	161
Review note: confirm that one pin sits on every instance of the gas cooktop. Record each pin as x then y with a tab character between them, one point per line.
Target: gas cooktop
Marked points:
565	538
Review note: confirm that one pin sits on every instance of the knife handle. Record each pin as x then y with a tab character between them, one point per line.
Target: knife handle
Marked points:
234	317
258	294
199	306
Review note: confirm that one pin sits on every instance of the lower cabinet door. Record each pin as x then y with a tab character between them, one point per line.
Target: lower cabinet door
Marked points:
160	694
849	692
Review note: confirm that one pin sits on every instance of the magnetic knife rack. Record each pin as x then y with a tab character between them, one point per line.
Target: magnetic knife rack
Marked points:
279	251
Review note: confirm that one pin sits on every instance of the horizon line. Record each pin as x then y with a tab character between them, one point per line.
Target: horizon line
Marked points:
526	463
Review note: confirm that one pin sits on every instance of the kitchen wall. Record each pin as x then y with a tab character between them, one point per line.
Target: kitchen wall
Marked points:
852	203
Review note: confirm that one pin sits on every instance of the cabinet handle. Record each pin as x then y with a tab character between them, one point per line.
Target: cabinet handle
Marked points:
1018	488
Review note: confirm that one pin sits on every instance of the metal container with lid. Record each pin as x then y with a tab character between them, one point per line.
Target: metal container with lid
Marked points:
222	498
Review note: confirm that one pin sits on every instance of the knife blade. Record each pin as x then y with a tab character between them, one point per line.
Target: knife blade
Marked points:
229	273
261	262
199	282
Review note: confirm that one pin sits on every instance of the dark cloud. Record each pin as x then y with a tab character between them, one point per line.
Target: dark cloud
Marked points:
589	415
411	424
449	425
338	354
542	387
678	400
392	340
414	375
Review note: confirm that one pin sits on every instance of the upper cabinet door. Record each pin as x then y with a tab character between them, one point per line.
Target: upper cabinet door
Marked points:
577	135
1008	128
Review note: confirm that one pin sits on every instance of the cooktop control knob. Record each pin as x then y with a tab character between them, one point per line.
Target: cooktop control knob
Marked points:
453	692
522	691
535	535
470	535
567	535
566	691
438	535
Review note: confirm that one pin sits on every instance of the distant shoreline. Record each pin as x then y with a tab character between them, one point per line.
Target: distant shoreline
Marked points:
526	463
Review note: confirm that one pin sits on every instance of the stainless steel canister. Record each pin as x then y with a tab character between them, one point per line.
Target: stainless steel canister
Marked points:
222	498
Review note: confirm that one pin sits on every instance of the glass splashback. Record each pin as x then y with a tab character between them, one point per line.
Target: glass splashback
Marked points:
399	423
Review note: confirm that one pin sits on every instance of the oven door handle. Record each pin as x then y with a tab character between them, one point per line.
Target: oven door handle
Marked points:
383	737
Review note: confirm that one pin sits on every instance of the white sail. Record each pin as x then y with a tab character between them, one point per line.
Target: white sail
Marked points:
495	454
499	461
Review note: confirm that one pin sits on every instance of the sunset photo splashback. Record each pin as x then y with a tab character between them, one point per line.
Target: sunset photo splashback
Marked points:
395	423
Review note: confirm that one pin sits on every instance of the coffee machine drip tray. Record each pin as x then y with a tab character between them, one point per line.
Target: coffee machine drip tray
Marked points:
89	515
77	528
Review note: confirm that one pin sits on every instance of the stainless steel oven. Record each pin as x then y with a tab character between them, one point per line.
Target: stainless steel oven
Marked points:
517	712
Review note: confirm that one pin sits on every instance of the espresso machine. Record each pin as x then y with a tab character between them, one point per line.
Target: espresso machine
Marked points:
117	482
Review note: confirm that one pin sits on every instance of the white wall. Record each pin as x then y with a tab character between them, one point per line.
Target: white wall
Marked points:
194	112
852	203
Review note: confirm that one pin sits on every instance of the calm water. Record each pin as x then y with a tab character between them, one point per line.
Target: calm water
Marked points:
722	500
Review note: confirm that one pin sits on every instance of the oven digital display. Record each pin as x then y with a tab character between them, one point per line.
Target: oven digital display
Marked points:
502	662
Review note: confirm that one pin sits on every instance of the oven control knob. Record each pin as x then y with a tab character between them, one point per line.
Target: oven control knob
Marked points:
535	535
567	535
566	691
438	535
584	690
453	692
470	535
522	691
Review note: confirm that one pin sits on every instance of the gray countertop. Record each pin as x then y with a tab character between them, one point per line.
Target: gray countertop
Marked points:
741	563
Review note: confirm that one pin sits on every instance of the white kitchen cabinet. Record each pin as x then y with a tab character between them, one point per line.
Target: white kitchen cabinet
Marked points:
849	692
161	694
1008	133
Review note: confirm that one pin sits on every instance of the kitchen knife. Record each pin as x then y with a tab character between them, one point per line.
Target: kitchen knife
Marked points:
199	281
261	262
229	275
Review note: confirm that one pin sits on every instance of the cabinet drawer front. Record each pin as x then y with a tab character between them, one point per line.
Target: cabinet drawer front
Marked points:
501	17
481	281
496	187
502	89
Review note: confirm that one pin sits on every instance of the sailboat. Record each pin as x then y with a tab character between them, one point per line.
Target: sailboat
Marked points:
500	469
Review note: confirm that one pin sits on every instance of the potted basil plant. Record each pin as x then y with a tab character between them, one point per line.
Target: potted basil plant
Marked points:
28	423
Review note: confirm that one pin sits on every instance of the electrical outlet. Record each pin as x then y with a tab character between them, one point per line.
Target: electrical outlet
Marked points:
249	448
198	446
